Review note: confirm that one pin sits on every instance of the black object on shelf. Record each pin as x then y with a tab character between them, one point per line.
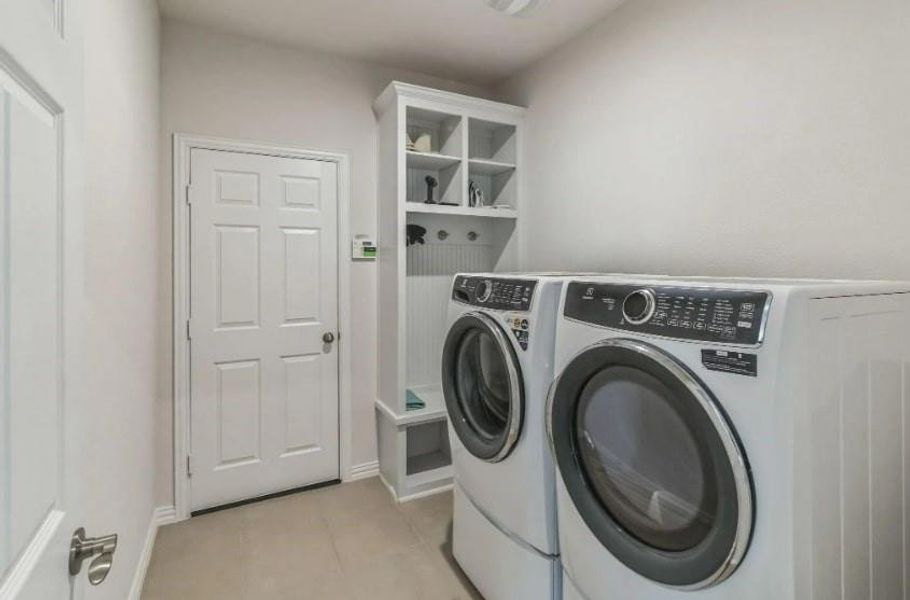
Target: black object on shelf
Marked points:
415	235
431	185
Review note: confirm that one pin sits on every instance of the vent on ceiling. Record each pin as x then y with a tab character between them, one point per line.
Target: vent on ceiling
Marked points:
515	7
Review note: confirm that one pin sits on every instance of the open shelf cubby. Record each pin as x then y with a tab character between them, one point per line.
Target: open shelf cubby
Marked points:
492	141
448	177
455	140
499	186
443	129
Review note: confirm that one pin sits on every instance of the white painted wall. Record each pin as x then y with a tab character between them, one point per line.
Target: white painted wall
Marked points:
717	137
229	86
122	259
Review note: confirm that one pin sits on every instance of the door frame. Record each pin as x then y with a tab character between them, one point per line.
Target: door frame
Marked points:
183	144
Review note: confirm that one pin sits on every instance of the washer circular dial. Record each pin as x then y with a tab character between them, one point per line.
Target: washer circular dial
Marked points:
484	290
638	307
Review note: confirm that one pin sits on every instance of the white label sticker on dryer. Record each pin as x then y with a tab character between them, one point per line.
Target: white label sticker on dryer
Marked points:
739	363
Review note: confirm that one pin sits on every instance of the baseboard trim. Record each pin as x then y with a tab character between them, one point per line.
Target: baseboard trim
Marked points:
364	470
417	495
163	515
389	487
427	493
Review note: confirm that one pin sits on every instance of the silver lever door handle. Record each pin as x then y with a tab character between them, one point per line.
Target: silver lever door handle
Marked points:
83	548
328	337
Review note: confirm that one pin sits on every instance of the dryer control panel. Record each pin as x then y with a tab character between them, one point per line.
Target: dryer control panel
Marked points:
494	293
689	313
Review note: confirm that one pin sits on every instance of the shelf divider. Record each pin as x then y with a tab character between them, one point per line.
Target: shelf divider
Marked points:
502	212
482	166
430	161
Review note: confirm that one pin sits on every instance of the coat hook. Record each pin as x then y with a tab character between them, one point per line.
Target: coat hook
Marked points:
472	236
443	234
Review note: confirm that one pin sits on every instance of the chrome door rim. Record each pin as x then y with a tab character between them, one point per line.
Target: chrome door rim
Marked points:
515	384
731	446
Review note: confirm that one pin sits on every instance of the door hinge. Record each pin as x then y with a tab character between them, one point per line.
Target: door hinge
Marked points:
189	329
189	467
188	200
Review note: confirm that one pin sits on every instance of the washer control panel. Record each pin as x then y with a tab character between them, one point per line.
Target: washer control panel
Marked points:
697	314
494	293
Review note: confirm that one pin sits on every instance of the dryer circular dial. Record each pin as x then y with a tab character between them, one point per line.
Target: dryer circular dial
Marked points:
639	306
484	290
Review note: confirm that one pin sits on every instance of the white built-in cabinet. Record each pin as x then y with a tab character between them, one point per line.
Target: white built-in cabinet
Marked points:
465	140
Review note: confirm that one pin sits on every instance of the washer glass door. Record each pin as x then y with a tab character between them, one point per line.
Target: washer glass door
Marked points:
482	386
652	464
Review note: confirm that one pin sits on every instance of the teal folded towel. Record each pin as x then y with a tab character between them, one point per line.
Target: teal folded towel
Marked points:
413	401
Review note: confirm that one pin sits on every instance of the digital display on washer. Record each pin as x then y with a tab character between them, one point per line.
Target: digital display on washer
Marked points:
493	293
689	313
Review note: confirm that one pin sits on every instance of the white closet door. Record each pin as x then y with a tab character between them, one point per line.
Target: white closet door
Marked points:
42	433
264	390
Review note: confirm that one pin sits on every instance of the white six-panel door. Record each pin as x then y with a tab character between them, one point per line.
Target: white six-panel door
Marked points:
263	303
41	478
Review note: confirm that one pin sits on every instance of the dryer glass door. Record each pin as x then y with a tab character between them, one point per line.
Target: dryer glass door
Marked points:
482	386
652	464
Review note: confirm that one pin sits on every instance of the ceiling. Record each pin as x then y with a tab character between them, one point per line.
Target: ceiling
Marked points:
464	40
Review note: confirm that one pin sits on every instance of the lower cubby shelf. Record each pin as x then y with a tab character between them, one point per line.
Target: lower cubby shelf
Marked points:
427	447
415	459
421	463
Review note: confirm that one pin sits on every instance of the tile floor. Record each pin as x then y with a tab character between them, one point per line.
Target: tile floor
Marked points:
344	542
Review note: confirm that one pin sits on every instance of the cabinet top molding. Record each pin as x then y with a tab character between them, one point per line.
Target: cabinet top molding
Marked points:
407	91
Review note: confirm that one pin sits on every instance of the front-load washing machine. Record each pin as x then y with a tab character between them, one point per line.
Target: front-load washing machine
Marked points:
732	439
497	365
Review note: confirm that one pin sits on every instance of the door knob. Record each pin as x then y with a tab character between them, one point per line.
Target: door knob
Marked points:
83	548
328	337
